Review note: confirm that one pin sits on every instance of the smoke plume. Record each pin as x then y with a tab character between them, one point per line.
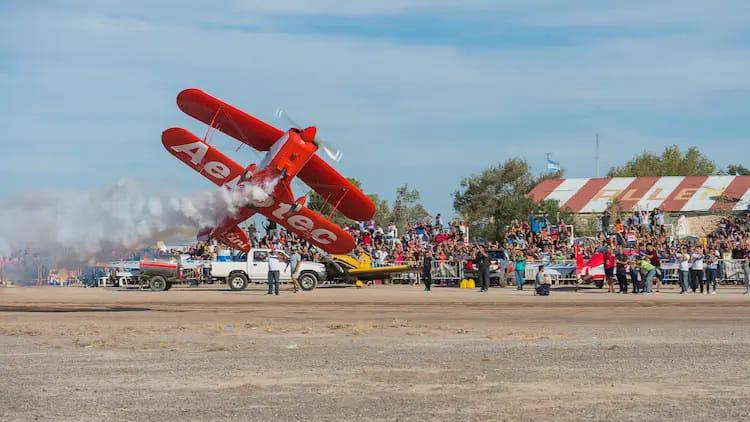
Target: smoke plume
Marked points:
87	224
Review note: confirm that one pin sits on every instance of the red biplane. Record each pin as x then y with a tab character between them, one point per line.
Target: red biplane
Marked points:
289	154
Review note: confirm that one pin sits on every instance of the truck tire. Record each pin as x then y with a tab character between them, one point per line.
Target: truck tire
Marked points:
308	281
599	284
169	285
237	281
157	283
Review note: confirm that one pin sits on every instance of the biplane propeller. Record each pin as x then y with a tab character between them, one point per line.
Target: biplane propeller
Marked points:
289	154
333	154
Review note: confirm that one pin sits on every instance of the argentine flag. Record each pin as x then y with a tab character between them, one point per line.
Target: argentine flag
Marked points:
553	166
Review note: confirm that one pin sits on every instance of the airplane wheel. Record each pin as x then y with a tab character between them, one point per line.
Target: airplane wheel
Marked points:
237	281
157	283
308	281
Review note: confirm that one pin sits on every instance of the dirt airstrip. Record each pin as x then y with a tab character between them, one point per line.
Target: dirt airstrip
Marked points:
378	353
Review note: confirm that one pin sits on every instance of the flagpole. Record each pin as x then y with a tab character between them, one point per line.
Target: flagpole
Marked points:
597	155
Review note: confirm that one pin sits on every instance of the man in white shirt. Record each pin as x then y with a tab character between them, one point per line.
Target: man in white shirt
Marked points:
380	257
684	259
274	271
696	269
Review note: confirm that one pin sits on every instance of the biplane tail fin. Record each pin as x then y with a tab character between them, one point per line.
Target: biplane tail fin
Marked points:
234	237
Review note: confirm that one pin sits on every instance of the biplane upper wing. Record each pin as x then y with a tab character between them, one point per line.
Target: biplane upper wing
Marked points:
228	119
337	190
311	226
321	177
216	167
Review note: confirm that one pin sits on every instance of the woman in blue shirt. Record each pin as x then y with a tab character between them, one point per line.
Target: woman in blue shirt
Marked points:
520	270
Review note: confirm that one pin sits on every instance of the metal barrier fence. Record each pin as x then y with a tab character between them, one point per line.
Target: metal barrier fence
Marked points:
730	271
558	271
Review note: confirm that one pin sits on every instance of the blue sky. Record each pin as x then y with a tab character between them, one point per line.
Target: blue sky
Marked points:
422	92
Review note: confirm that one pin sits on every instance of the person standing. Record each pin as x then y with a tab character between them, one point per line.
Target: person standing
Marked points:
653	256
622	276
609	270
502	266
427	270
634	273
605	223
520	269
274	271
483	262
696	269
712	270
294	260
684	268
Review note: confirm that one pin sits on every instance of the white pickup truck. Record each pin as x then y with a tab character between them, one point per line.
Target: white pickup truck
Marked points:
253	267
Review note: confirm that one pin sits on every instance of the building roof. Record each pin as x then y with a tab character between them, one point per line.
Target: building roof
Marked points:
670	193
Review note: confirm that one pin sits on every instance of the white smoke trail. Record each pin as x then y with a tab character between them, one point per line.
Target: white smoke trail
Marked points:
85	224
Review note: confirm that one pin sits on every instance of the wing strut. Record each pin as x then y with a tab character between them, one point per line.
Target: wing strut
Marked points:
211	129
337	204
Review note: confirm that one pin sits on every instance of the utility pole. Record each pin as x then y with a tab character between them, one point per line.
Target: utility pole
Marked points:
596	158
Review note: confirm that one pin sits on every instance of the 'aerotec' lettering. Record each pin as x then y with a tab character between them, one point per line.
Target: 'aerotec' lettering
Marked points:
195	152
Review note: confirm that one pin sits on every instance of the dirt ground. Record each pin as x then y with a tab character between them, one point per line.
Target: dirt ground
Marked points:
378	353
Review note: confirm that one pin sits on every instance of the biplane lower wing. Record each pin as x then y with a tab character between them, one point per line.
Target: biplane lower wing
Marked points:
311	226
337	190
228	119
201	157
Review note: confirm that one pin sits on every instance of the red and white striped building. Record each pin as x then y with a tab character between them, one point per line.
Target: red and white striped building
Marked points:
670	193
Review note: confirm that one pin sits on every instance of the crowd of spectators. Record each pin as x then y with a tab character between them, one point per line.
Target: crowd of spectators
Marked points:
625	241
532	240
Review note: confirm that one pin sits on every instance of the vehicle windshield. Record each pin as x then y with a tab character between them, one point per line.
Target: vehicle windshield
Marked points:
273	150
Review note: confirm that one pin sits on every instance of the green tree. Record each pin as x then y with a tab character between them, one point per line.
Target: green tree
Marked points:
671	162
407	207
490	200
382	210
737	170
